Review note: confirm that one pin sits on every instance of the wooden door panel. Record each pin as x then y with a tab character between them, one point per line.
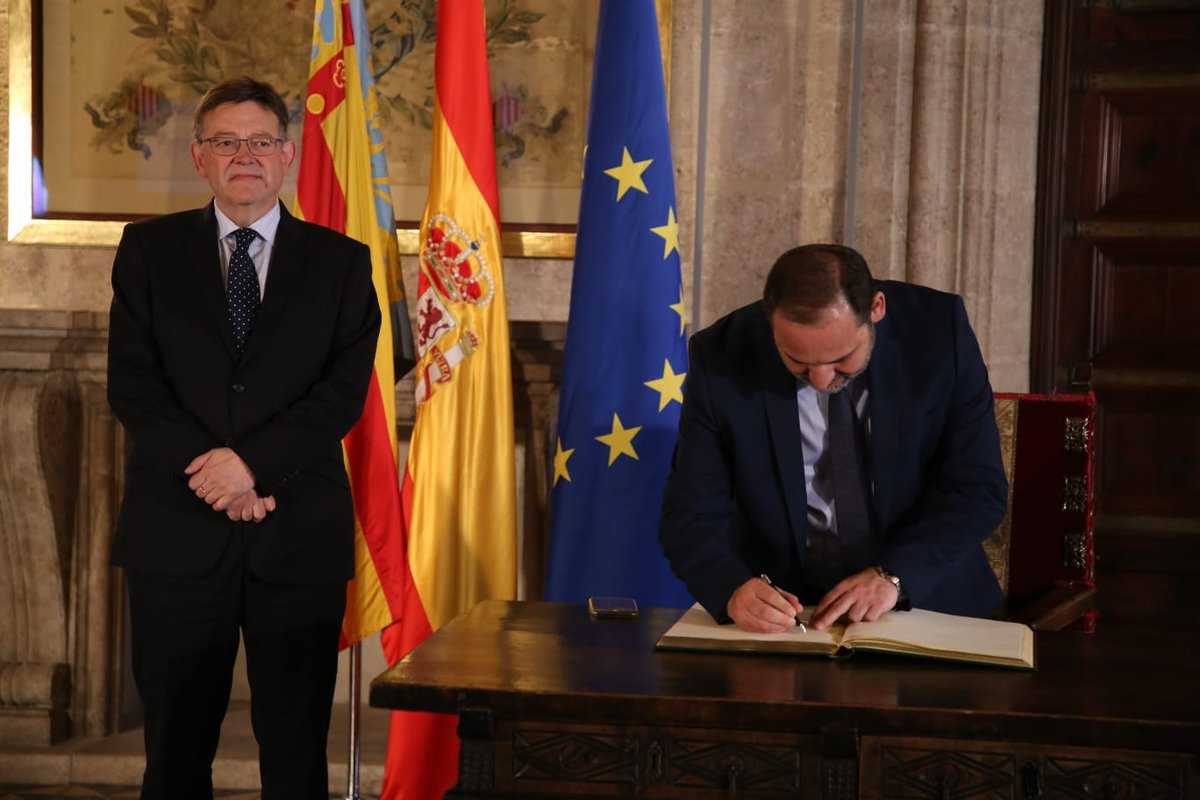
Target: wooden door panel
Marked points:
1143	150
1117	281
1073	324
1145	303
1153	588
1146	342
1149	463
1109	26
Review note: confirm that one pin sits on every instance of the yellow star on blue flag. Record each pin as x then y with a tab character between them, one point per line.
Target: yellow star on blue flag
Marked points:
625	359
669	386
628	174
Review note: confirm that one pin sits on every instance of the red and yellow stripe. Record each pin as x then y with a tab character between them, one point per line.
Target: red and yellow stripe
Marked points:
459	489
338	186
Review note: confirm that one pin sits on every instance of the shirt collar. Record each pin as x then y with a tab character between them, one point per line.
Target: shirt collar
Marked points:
265	226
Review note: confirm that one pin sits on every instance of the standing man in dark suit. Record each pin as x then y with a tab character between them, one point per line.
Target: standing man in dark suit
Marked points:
240	348
837	436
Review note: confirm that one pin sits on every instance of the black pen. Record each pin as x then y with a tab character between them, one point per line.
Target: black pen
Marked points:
767	580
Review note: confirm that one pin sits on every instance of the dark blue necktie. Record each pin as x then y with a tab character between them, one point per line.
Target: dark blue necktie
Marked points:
850	488
242	291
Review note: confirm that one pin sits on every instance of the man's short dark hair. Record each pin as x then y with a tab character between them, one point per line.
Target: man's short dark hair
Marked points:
807	280
241	90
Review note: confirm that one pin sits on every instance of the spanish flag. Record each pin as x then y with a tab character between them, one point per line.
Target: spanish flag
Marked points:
343	184
460	484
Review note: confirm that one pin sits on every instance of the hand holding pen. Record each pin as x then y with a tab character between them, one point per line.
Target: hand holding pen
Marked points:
789	598
761	607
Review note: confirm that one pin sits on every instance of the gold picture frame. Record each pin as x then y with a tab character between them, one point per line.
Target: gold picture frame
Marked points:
96	231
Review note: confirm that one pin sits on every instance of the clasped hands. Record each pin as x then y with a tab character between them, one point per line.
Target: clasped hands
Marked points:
759	607
220	478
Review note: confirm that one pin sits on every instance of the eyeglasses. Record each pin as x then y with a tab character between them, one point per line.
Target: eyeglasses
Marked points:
229	146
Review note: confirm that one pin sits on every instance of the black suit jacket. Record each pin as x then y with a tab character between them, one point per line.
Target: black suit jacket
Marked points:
284	405
736	505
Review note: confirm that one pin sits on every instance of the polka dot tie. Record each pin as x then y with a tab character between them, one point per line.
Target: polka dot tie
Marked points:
242	292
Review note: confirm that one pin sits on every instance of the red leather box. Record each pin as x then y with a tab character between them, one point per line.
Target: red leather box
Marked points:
1043	552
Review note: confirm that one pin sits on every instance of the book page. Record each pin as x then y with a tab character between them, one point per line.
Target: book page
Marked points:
930	633
696	629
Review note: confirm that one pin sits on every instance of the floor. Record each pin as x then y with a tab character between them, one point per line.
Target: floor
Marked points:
111	768
74	791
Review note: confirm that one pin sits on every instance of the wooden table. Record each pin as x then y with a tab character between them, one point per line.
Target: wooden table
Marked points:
552	703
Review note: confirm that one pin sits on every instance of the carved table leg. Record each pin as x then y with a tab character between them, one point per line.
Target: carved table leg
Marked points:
476	755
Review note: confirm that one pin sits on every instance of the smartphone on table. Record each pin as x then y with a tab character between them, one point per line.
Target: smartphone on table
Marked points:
612	607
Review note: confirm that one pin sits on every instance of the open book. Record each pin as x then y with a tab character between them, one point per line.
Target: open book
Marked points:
915	633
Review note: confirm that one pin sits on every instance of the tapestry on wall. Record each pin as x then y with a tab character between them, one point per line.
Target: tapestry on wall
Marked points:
122	78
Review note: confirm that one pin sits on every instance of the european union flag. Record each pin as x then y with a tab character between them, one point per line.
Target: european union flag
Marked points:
626	353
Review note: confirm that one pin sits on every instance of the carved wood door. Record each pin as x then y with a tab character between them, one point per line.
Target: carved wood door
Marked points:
1117	282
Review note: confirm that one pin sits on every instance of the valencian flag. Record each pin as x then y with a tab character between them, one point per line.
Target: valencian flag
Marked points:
626	354
460	484
343	184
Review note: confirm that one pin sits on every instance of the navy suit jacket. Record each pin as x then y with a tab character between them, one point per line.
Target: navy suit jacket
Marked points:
179	388
735	504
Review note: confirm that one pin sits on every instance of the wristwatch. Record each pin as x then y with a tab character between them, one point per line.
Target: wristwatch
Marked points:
901	596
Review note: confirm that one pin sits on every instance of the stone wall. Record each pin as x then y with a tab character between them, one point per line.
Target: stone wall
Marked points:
60	609
939	166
